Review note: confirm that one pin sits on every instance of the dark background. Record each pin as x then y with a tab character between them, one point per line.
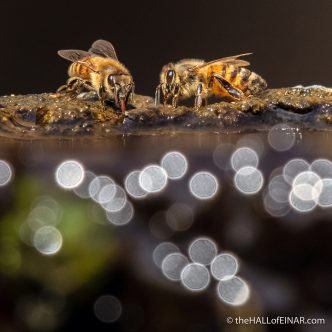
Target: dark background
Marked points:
291	40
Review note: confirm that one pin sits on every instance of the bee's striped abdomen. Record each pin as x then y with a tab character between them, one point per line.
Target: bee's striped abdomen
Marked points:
77	69
243	78
256	83
247	81
231	74
239	77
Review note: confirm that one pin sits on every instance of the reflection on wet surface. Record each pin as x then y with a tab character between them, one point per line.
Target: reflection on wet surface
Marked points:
140	227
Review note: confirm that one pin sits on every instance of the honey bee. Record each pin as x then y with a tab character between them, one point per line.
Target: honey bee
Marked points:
225	77
99	70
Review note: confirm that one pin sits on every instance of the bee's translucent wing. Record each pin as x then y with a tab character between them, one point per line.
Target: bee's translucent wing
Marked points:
191	61
230	60
188	64
103	48
73	55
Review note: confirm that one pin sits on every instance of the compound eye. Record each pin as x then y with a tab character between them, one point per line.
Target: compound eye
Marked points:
111	80
170	76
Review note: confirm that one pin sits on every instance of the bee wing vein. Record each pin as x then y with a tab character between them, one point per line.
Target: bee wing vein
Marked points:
230	60
73	55
103	48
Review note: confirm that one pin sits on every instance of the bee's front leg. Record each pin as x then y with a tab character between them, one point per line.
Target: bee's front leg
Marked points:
102	97
175	97
157	95
175	100
132	94
199	96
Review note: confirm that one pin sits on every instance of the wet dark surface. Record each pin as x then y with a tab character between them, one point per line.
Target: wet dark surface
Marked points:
39	116
286	261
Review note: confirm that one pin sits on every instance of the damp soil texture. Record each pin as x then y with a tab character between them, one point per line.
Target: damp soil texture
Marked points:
39	115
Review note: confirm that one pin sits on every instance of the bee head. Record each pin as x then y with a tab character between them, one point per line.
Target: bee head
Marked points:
169	87
122	88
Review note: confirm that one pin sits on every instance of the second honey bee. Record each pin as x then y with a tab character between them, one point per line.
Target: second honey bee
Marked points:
100	71
225	77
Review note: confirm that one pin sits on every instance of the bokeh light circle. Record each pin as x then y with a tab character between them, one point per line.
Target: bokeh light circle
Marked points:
203	185
224	266
153	178
281	137
175	164
234	291
244	156
195	277
248	180
47	240
69	174
108	308
172	266
202	250
6	173
132	185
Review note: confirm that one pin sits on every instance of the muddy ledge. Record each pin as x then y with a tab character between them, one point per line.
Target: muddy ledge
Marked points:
52	114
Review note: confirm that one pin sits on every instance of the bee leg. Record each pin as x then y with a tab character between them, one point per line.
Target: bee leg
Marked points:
132	94
175	97
233	92
165	101
87	85
74	86
132	98
198	96
62	88
69	86
157	95
102	97
175	100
